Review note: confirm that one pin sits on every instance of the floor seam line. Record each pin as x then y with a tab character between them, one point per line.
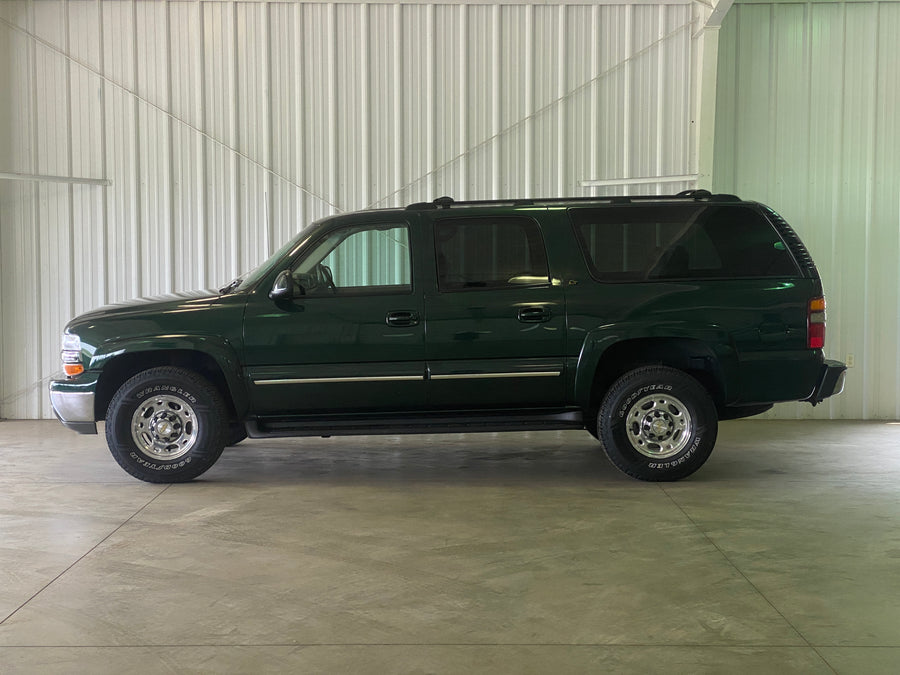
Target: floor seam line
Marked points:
592	645
83	556
745	577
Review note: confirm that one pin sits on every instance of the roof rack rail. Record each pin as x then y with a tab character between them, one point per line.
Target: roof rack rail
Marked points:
448	202
421	206
695	194
444	202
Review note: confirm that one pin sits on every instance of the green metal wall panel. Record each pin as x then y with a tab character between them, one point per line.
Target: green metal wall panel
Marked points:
807	122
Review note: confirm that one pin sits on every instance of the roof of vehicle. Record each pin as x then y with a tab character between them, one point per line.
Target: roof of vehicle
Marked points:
687	195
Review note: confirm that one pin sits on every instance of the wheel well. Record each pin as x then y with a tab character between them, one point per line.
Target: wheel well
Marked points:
690	356
119	370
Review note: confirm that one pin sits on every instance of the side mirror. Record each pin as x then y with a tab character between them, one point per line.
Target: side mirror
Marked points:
283	287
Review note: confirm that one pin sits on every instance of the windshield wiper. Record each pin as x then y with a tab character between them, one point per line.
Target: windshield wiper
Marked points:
225	290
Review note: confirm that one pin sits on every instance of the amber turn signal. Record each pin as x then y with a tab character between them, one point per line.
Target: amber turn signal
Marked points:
73	369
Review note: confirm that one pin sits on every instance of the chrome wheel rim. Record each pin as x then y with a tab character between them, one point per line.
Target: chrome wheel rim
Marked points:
659	426
164	427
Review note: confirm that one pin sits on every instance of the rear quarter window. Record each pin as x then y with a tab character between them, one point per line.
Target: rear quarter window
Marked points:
680	241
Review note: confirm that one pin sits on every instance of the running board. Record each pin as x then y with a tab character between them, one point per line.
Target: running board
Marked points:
274	427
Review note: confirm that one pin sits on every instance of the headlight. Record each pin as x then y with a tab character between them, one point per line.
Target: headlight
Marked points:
71	355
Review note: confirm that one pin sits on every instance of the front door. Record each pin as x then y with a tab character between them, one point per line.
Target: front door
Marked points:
351	340
496	320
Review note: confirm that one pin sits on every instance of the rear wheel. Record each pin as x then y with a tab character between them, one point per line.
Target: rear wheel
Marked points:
166	425
657	424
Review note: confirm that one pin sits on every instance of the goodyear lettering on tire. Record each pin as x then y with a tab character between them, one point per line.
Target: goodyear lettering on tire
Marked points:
640	393
172	389
159	467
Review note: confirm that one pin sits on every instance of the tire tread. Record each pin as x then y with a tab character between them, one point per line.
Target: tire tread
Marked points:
211	404
627	460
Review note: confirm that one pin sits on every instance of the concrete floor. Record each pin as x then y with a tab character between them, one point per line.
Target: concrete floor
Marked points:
508	553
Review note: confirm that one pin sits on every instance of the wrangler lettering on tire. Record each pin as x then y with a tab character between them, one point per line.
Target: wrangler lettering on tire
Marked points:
166	425
657	424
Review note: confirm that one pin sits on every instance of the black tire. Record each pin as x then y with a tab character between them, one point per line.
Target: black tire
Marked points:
235	434
657	424
166	425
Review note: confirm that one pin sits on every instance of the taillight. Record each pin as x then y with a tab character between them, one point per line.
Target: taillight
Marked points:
815	324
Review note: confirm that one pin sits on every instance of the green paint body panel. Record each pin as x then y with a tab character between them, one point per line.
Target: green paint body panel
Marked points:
201	323
755	330
415	350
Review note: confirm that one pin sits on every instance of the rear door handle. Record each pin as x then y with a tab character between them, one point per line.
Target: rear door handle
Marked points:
534	314
402	318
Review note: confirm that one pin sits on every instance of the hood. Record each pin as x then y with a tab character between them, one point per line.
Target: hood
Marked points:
169	301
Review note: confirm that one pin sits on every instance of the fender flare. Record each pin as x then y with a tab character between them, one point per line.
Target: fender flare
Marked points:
705	342
218	348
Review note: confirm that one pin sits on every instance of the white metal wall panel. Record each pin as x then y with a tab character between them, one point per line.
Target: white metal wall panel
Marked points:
225	127
807	122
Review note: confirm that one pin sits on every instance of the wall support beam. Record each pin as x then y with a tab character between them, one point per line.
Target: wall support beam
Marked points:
105	182
706	61
643	180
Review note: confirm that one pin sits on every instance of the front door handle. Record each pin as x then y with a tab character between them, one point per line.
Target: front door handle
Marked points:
534	314
402	318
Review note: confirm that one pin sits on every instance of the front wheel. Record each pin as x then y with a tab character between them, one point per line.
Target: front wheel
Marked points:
166	425
657	424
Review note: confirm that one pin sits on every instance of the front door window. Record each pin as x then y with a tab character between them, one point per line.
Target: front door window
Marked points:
357	260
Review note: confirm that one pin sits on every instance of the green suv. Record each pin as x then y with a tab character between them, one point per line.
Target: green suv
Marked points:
644	320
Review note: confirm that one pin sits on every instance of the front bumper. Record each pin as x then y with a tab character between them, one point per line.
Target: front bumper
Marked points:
831	381
73	405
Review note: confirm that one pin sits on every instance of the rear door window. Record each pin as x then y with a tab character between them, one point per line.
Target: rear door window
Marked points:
680	241
482	253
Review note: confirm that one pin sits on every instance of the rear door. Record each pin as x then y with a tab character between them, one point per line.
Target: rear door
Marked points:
495	319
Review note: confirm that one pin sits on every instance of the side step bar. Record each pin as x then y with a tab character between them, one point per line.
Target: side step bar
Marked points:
275	427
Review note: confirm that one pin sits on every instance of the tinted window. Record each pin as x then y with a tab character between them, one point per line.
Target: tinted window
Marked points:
357	260
682	241
474	253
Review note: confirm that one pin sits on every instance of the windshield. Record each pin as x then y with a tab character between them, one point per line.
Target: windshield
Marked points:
249	279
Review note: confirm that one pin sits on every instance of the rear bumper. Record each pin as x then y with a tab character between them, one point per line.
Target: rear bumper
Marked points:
74	408
831	381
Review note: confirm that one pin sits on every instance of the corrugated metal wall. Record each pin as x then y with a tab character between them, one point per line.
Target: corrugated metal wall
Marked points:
225	127
807	121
